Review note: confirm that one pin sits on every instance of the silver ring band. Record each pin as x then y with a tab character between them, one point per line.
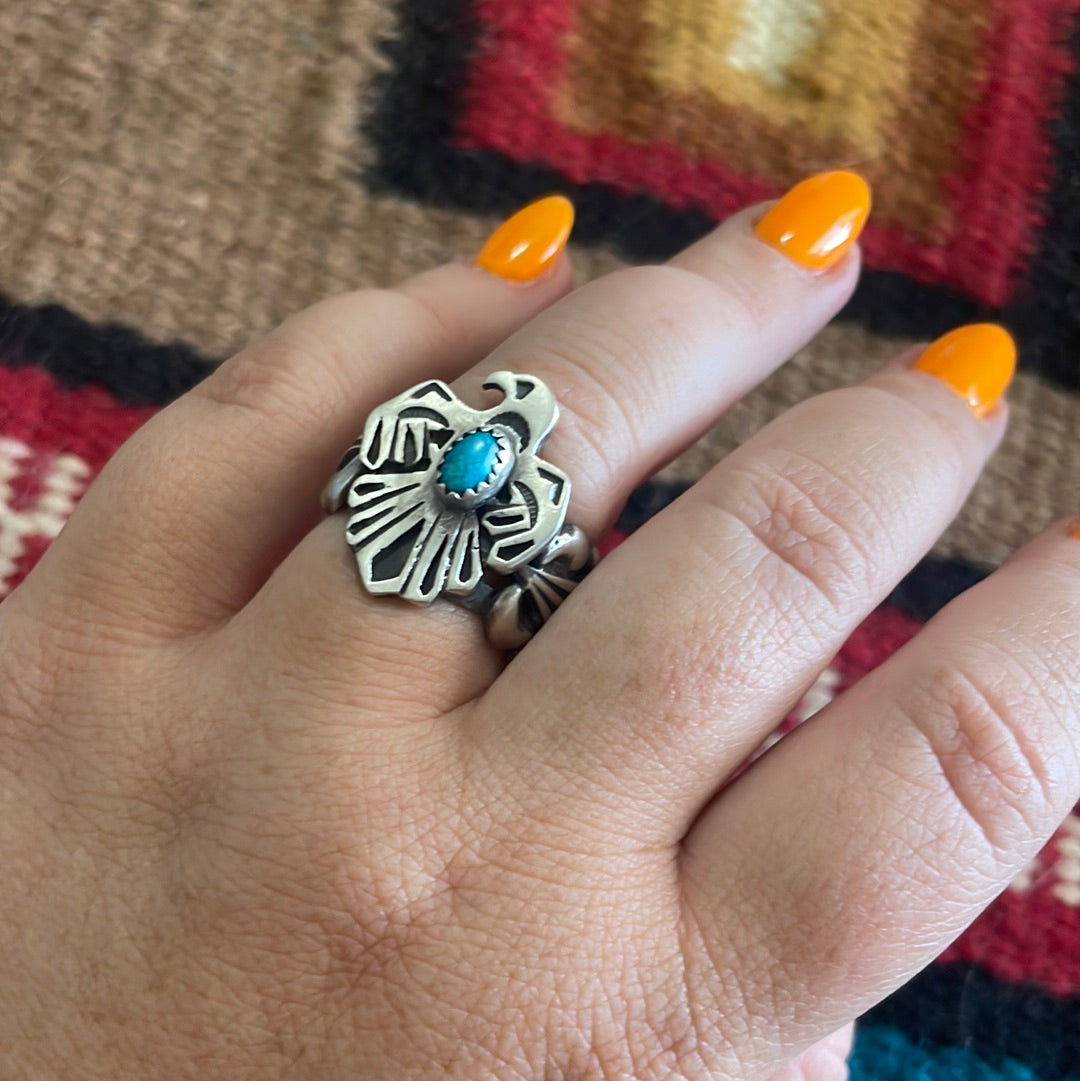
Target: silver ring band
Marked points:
449	501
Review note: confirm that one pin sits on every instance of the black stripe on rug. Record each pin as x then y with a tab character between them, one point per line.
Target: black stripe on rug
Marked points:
963	1005
134	370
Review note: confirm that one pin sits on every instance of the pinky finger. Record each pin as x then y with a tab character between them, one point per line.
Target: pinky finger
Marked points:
863	844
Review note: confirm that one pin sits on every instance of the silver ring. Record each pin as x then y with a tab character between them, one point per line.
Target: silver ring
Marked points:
449	501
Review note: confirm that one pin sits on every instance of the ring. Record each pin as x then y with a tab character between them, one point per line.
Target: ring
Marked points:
450	501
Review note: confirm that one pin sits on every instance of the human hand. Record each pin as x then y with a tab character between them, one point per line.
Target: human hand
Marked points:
258	824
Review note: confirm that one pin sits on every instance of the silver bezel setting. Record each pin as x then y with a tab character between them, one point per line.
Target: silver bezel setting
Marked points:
492	484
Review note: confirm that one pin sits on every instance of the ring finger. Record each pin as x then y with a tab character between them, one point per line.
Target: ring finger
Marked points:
641	362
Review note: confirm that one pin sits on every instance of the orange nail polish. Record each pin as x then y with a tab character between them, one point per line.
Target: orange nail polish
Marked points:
818	220
525	245
1075	534
977	361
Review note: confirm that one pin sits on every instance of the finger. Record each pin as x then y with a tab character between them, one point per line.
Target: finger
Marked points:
215	490
849	856
706	627
645	360
641	362
824	1061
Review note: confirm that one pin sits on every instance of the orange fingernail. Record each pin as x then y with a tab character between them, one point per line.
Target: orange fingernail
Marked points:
818	220
977	361
525	245
1075	534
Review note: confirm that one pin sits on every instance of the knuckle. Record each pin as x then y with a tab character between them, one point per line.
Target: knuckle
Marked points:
988	727
600	427
615	377
291	374
263	382
815	532
422	309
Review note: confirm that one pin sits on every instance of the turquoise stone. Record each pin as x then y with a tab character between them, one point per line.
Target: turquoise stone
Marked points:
469	462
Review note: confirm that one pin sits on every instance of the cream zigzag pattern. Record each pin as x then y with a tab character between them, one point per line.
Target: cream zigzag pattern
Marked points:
62	479
1057	868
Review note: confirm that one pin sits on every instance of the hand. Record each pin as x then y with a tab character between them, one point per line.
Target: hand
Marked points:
257	824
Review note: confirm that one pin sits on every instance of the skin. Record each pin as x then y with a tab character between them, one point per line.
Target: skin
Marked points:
255	824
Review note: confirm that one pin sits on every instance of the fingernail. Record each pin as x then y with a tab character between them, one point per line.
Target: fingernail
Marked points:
1075	533
525	245
818	220
977	361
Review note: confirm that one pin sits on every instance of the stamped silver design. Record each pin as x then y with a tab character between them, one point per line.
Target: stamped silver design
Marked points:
520	609
448	500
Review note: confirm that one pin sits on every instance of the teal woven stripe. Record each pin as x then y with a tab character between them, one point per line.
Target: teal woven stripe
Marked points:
884	1054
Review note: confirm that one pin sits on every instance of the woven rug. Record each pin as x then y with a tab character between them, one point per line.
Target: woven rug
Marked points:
178	176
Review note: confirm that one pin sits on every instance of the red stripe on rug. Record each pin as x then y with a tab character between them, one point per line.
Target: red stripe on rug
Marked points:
53	442
36	410
1028	935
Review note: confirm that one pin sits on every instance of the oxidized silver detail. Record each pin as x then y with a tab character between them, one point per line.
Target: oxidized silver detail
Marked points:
415	538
